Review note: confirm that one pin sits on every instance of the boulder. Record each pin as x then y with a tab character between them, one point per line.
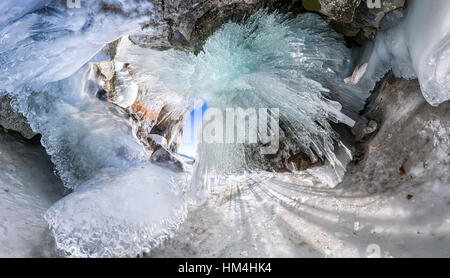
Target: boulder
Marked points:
170	124
363	22
372	17
184	23
12	120
117	83
339	10
166	158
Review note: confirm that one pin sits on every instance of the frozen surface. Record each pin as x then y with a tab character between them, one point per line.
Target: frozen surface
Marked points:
118	216
27	189
13	10
419	47
375	212
117	208
82	134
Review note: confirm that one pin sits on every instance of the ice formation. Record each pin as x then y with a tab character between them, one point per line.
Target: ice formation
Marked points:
419	47
92	146
125	209
118	214
123	205
295	65
45	41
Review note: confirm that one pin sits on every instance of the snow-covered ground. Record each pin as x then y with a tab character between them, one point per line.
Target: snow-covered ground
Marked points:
27	189
378	211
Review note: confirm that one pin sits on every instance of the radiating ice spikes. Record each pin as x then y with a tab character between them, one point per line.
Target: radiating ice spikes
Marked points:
269	61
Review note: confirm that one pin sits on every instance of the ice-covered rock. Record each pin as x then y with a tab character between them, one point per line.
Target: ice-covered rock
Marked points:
417	48
165	158
339	10
115	78
28	188
13	120
182	23
169	124
118	214
12	10
52	41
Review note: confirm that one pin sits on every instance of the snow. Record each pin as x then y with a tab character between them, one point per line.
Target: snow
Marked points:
27	189
374	212
267	215
284	216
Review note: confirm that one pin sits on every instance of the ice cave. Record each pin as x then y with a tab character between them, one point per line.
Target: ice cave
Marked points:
224	128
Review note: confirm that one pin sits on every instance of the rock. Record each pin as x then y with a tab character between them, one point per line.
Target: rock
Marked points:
347	29
392	19
116	80
170	124
120	85
357	74
163	156
156	140
159	128
371	127
360	21
339	10
11	120
287	159
371	17
411	145
184	23
302	162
